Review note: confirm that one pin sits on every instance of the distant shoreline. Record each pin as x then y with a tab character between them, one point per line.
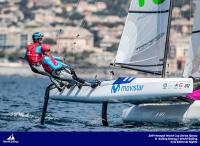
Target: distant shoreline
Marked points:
15	70
25	71
86	73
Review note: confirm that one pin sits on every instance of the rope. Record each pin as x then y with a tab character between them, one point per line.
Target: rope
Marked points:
62	27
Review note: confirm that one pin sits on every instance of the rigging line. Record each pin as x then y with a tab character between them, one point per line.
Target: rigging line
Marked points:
83	22
81	25
75	9
60	31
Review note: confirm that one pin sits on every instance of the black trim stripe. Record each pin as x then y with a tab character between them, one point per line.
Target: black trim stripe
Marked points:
149	12
197	31
139	65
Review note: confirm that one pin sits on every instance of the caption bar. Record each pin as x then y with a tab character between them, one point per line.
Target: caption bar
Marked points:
176	138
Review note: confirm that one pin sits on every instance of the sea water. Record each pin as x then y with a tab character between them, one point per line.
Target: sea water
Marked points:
21	101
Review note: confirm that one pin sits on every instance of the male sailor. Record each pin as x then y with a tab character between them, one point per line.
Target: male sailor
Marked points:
56	68
34	54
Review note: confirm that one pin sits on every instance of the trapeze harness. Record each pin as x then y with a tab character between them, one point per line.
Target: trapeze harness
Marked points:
46	66
34	58
31	55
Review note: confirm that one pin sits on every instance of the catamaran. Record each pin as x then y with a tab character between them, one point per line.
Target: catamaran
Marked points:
143	47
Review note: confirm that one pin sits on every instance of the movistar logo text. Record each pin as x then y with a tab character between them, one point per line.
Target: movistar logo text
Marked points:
156	2
126	88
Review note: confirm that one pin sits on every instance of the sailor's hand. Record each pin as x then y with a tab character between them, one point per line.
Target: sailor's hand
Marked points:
61	59
71	69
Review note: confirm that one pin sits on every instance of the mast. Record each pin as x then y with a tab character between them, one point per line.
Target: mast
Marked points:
167	41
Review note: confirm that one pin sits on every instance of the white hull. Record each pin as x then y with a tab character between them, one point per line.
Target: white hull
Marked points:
163	113
131	90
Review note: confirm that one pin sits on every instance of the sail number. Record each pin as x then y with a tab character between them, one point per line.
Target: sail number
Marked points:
156	2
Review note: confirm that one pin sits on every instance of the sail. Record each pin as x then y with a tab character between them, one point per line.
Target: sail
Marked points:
192	66
9	138
143	42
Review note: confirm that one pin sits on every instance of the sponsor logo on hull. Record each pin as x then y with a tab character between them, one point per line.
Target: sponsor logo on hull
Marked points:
126	88
118	86
176	86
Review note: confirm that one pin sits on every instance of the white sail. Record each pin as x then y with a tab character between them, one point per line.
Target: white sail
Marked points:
9	138
12	138
192	66
143	42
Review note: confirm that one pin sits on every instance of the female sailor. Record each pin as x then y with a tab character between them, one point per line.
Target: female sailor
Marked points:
60	70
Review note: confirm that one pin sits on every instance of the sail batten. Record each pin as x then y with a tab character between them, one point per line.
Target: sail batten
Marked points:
140	65
165	11
143	42
196	31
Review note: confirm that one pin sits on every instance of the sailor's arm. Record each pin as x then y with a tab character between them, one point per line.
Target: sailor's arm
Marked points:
66	67
58	58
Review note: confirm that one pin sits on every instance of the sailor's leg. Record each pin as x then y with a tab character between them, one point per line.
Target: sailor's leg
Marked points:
82	81
71	77
64	76
75	77
73	74
39	70
58	84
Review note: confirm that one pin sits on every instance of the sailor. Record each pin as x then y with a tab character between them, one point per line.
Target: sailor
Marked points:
60	70
34	54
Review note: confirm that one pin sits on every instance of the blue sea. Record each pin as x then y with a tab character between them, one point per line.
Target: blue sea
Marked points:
21	101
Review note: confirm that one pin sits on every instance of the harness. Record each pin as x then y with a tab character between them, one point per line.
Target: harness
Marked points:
46	66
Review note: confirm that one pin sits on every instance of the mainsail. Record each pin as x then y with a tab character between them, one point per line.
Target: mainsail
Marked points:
143	42
192	66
